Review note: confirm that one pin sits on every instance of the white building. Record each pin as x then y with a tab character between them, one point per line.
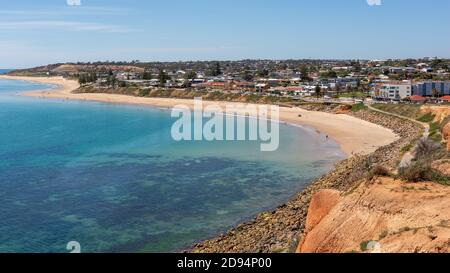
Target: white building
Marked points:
427	70
393	90
402	69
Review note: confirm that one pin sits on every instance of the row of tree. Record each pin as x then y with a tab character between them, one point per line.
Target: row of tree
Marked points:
87	78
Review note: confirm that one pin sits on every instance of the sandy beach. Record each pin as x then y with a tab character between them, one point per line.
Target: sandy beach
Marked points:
355	136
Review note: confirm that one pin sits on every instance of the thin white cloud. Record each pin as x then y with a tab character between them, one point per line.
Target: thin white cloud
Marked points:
67	11
63	25
374	2
73	2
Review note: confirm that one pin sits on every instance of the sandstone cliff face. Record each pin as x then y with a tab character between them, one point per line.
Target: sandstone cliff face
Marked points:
440	112
400	217
321	205
446	135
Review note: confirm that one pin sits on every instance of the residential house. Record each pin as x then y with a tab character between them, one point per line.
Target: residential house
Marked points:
402	69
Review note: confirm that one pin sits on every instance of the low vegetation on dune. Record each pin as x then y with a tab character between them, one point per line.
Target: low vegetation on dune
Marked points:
183	94
437	117
421	169
407	110
356	95
358	107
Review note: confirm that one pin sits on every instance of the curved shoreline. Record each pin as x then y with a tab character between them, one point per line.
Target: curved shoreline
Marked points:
278	230
355	136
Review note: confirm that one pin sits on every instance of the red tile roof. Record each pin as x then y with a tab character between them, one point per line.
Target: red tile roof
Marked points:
417	98
446	98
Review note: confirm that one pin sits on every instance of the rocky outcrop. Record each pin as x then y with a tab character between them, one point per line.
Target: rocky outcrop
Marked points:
396	216
440	113
321	205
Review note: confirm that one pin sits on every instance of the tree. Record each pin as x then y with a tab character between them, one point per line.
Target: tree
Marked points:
304	72
163	78
247	76
93	77
111	81
147	75
216	70
263	73
87	78
190	75
318	91
338	88
122	84
81	79
436	93
329	74
356	66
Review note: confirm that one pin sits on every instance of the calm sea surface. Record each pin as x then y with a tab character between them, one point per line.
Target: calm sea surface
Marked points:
4	71
112	178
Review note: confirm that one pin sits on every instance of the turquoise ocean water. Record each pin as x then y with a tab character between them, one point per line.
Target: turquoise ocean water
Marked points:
4	71
111	177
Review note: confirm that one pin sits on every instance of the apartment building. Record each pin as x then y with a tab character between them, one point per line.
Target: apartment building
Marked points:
425	89
392	90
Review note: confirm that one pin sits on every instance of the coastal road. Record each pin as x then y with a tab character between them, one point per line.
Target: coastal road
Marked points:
409	156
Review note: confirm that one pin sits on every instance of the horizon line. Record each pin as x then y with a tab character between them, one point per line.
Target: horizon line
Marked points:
234	60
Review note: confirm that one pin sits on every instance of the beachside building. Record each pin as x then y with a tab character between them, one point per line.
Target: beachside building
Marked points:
407	69
392	90
445	99
261	87
426	70
425	89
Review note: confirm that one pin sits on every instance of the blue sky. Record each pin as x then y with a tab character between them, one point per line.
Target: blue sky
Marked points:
47	31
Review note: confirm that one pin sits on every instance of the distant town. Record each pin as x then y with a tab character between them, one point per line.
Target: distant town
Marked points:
397	81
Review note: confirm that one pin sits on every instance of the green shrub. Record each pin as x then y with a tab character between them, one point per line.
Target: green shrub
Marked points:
144	92
376	171
440	178
407	110
426	148
426	118
358	107
407	148
363	246
416	172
